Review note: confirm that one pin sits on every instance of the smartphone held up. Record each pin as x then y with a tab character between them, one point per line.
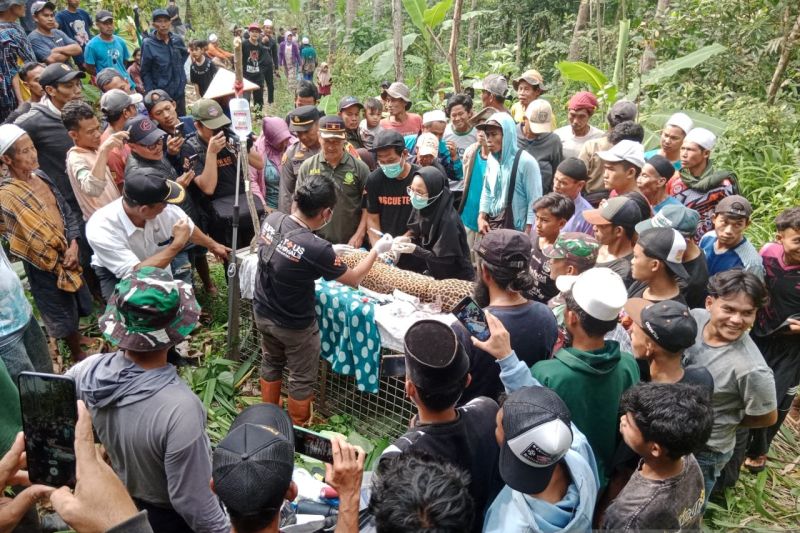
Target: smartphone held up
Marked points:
472	317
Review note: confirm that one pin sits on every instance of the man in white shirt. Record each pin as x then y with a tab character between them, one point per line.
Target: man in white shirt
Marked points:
581	107
143	228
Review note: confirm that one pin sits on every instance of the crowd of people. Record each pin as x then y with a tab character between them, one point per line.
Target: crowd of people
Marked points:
642	350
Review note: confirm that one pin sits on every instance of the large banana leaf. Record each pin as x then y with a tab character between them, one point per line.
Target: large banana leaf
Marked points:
435	15
469	15
383	46
583	72
672	67
657	119
416	11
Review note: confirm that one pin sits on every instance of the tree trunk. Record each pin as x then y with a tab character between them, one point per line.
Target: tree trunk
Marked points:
397	38
452	54
580	26
332	27
519	42
471	29
187	13
787	46
649	55
351	6
377	11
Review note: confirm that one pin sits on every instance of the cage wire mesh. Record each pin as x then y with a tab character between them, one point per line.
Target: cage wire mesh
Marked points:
385	414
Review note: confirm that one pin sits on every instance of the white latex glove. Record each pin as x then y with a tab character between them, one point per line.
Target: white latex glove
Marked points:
342	249
403	247
402	238
384	244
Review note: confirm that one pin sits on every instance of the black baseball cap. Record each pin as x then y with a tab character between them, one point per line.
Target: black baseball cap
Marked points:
349	101
619	211
146	186
537	435
156	96
160	13
735	205
252	466
388	139
143	131
667	245
59	73
303	118
505	247
435	359
103	15
668	322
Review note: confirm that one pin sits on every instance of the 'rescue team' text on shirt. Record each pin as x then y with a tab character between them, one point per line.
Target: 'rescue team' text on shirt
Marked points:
285	286
388	198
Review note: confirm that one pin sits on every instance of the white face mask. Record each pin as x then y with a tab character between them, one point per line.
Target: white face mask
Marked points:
326	222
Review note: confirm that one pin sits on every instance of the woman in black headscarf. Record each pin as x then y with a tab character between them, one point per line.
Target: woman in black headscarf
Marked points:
437	233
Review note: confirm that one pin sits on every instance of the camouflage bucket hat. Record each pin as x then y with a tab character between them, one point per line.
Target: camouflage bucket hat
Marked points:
577	248
149	311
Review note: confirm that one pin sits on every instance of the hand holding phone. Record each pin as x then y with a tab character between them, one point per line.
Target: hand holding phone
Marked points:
312	444
49	415
470	314
12	511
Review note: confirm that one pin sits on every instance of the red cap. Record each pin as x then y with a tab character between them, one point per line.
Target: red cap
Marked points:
583	100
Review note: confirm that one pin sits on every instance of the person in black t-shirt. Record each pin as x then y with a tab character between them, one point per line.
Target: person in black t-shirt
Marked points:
656	266
256	60
503	277
291	257
388	202
437	371
614	225
553	211
202	69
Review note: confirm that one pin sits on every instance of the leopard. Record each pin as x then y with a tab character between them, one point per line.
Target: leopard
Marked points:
385	278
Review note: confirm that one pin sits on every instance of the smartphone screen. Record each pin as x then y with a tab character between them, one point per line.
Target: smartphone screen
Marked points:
178	132
313	445
49	415
470	314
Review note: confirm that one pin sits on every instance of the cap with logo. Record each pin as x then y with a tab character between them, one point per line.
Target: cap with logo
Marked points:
736	206
682	121
388	139
146	186
668	322
625	150
349	101
156	96
303	118
210	114
531	77
332	127
116	100
619	211
537	435
9	134
143	131
427	144
540	116
435	359
574	168
103	16
482	116
398	90
149	310
667	245
599	291
38	6
252	466
160	13
58	73
495	84
576	248
622	111
702	137
437	115
678	217
506	248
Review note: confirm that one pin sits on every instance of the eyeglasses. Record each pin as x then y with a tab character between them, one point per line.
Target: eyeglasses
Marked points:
411	191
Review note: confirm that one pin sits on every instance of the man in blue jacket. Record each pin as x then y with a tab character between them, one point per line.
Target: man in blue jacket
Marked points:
163	57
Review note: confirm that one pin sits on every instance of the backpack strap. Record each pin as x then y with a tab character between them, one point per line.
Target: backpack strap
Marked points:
509	212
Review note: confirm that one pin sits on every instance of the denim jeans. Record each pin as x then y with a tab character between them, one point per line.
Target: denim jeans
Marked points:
711	464
28	352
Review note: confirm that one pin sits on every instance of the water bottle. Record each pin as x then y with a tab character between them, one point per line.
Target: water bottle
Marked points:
241	121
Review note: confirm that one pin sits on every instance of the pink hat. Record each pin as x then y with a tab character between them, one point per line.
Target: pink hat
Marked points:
583	100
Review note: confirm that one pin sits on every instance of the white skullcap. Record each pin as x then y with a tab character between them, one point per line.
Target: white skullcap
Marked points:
702	137
9	134
267	22
437	115
305	40
213	38
682	121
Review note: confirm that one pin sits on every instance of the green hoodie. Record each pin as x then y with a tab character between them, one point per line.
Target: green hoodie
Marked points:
591	384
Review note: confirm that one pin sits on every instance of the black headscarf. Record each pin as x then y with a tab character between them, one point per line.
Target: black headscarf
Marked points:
439	226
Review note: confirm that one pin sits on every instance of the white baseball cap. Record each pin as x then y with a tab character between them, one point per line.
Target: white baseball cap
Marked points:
437	115
427	144
682	121
540	116
213	38
599	291
305	40
702	137
267	22
625	150
9	134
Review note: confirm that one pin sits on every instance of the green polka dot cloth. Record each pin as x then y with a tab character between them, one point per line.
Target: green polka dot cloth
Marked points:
349	336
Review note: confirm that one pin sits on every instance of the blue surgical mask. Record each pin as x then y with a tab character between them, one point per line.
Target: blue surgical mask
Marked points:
420	202
393	170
